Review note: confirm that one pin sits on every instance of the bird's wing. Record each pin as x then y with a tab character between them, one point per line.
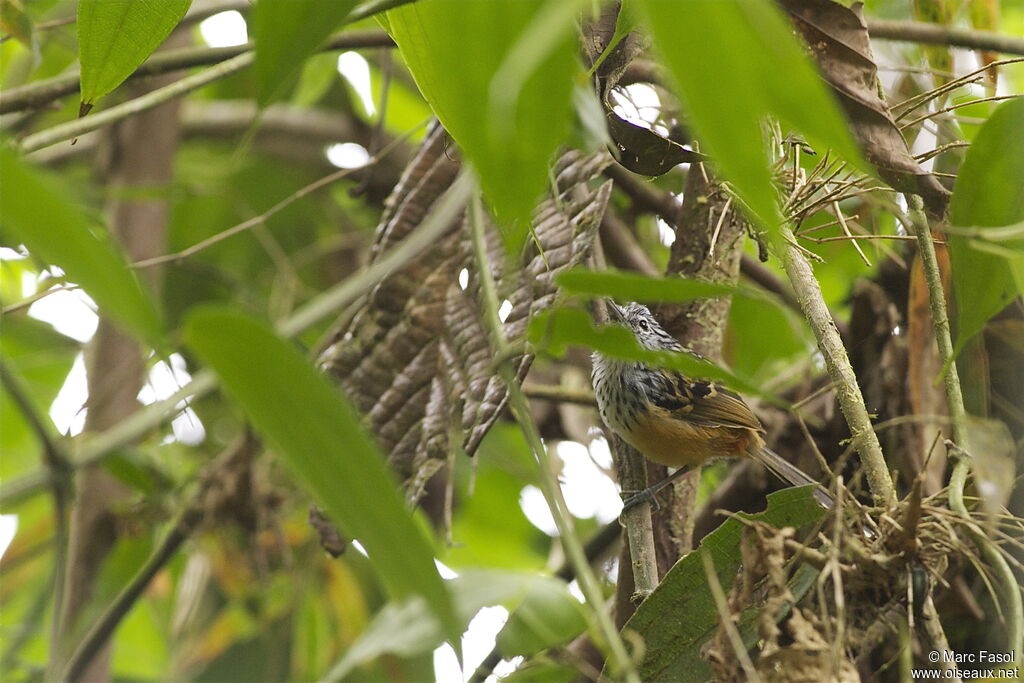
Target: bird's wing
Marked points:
705	403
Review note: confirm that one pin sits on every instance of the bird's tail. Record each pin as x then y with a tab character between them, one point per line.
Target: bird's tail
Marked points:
789	472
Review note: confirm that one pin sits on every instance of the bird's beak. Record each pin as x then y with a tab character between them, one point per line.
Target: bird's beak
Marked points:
615	314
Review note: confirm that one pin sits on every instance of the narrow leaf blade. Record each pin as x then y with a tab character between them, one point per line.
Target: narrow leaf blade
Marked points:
319	437
286	33
746	49
507	114
554	330
35	208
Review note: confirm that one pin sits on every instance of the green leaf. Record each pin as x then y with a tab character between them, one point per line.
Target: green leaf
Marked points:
320	439
34	206
554	330
489	499
286	33
116	36
989	193
549	616
673	644
746	49
499	76
407	628
636	287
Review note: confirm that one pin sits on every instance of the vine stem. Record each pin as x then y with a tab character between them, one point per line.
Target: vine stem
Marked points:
549	486
851	401
958	416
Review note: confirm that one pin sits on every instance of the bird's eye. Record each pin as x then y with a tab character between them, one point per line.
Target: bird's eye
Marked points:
642	324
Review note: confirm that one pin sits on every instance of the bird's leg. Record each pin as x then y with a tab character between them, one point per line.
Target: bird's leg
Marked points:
648	494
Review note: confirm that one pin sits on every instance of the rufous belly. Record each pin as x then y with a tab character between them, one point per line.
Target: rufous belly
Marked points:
675	442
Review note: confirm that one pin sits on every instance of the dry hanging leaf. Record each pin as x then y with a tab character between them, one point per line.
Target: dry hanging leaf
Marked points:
415	358
838	38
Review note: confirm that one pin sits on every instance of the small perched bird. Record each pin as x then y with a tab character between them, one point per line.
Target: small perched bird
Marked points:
675	420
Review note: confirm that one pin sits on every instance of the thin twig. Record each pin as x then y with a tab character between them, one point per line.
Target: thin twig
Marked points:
846	231
953	107
919	99
38	94
276	208
154	98
938	34
723	613
104	627
549	485
42	294
548	392
57	465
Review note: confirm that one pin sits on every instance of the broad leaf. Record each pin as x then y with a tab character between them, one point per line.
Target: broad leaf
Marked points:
987	274
549	616
501	84
116	36
34	206
319	437
748	50
286	33
672	651
407	628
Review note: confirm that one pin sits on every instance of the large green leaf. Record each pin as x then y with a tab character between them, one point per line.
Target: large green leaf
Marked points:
116	36
406	628
988	266
549	616
499	76
737	63
34	206
286	33
320	439
672	643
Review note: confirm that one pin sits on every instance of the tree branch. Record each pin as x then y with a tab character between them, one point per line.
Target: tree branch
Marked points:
851	402
40	93
104	627
937	34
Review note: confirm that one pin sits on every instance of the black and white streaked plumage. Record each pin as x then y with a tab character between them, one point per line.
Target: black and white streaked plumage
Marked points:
675	420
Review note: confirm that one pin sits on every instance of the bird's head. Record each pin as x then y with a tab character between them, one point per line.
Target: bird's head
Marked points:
638	319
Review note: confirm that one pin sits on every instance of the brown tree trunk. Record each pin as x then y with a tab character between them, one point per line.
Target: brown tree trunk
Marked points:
139	161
